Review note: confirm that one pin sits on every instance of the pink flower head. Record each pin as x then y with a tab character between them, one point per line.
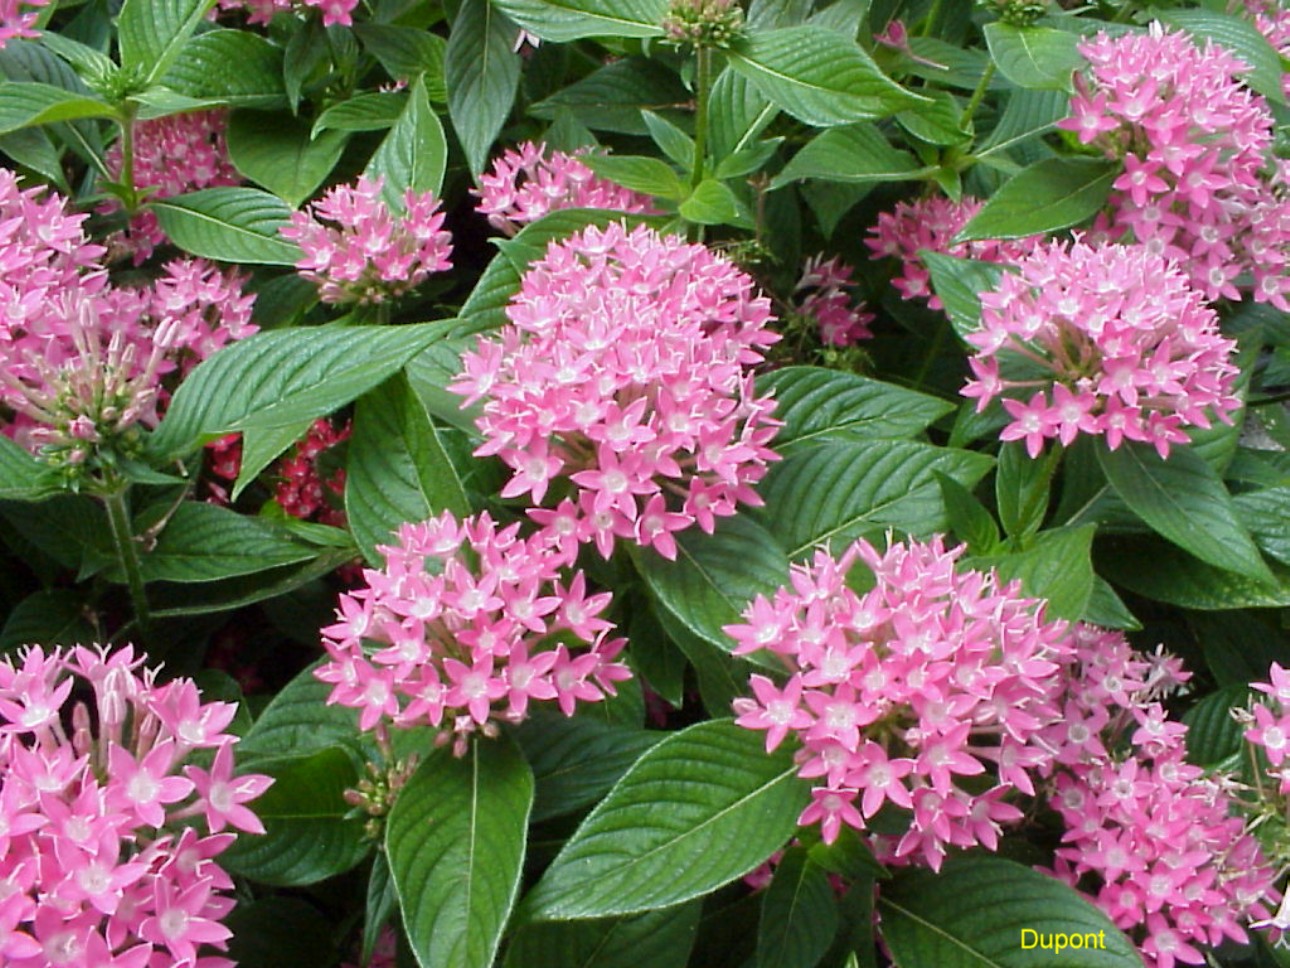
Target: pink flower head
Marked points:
623	380
307	488
356	249
823	296
1117	341
930	223
102	859
173	155
1198	184
1158	842
531	180
906	694
17	18
466	624
263	11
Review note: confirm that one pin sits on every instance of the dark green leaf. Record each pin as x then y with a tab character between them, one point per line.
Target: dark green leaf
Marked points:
612	97
235	67
299	721
1021	489
366	112
1213	736
565	20
228	224
483	74
959	284
1034	57
1056	567
738	113
456	840
798	914
1106	609
280	932
676	144
1051	194
54	617
278	153
855	154
703	807
414	154
937	123
407	53
658	939
1263	512
1158	570
968	518
22	477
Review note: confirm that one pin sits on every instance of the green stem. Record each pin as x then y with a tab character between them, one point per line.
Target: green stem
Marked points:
123	537
131	197
978	95
702	84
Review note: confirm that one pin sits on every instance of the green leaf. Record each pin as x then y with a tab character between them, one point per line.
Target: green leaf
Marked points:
281	377
612	97
414	154
708	794
855	154
398	469
307	836
483	75
844	490
1240	37
1051	194
657	939
50	617
1155	569
299	721
745	161
937	123
151	33
818	76
716	575
1056	567
228	224
23	104
971	915
407	53
1105	608
1027	115
366	112
959	283
819	406
676	144
1184	501
204	542
235	67
1021	489
262	446
798	914
968	518
1213	736
278	153
1263	512
455	841
22	477
576	759
565	20
712	203
738	113
639	173
1041	58
280	932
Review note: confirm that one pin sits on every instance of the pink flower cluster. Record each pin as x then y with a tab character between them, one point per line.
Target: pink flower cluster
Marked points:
1270	730
488	627
17	18
930	223
1195	143
531	180
361	251
623	383
263	11
303	492
172	156
1272	18
102	856
1156	841
927	693
823	293
1112	340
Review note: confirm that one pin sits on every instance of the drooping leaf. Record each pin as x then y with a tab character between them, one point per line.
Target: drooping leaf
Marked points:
482	72
228	224
456	840
703	807
818	76
1051	194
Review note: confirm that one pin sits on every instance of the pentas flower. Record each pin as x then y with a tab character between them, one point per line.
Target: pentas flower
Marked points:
173	155
822	294
263	11
467	624
622	386
306	489
357	250
18	18
532	180
1157	843
1110	341
1196	147
924	696
1273	21
930	223
108	835
1270	726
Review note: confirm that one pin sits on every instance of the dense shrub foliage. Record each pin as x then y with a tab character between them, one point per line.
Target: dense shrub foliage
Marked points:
653	483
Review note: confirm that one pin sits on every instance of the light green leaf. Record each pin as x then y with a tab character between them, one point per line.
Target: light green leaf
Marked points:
676	144
235	67
855	154
702	808
937	123
1184	500
1034	57
151	33
738	113
414	154
1051	194
639	173
281	377
23	104
818	76
482	72
456	840
22	477
712	203
398	469
565	20
307	836
1056	567
820	405
278	154
971	915
228	224
846	489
